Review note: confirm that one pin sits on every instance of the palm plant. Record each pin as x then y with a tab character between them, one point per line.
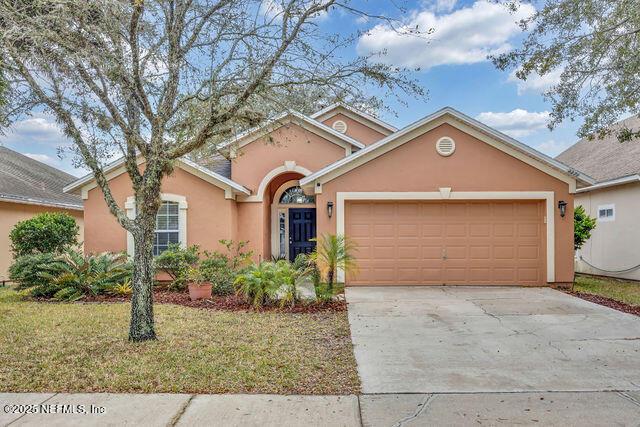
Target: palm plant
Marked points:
333	252
74	275
259	284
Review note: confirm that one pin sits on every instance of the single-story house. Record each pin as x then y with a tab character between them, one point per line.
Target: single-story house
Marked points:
445	200
614	201
27	188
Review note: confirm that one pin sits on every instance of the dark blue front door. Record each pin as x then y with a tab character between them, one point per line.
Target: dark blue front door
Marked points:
302	228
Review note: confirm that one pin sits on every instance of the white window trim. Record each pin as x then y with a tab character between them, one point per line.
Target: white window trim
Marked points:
447	194
130	207
611	206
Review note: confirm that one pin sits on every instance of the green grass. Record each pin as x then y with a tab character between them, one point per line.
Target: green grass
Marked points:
52	347
617	289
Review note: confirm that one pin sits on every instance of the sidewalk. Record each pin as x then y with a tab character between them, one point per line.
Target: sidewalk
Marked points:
561	408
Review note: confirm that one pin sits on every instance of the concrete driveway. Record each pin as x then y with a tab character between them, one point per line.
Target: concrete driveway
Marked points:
479	339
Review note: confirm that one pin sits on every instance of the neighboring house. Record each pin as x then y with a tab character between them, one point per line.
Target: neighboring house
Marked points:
614	201
29	187
443	200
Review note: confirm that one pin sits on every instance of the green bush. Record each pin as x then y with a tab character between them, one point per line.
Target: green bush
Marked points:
26	269
271	282
222	269
217	270
44	233
72	275
582	226
176	261
258	285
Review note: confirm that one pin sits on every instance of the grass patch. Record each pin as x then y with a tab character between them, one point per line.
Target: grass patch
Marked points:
55	347
616	289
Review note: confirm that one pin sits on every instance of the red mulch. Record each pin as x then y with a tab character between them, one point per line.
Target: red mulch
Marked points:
226	303
608	302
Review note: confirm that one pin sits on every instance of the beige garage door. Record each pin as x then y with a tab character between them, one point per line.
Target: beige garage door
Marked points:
481	243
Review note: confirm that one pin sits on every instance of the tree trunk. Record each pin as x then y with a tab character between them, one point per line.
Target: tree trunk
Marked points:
330	276
142	327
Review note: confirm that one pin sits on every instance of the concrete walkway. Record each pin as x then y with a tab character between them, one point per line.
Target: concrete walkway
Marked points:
566	409
481	339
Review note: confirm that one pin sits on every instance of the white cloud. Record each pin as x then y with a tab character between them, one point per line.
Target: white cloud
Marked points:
39	128
464	36
43	158
440	5
516	123
536	82
552	147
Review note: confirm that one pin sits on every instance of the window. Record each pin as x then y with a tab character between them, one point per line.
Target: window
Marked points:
167	230
295	196
282	230
606	213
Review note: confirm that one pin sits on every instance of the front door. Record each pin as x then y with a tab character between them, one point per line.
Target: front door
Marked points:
302	228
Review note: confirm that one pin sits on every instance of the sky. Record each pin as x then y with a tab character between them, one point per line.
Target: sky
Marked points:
453	69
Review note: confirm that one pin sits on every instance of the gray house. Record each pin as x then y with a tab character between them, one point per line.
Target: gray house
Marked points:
614	201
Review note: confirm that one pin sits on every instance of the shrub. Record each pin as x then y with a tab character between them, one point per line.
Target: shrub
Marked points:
222	269
26	269
121	289
176	261
238	257
44	233
269	282
582	225
216	269
258	285
72	276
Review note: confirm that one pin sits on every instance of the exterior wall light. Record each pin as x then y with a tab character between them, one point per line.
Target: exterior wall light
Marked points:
562	205
330	209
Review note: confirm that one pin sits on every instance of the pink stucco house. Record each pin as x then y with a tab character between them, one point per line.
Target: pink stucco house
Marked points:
445	200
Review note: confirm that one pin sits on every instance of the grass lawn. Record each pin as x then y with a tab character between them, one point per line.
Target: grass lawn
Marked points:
83	348
616	289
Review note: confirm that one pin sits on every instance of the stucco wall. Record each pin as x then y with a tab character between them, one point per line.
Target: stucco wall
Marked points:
12	213
291	142
614	245
356	130
257	159
210	217
475	166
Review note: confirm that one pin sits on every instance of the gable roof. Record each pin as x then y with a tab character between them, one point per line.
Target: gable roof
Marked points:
449	115
355	114
115	168
287	117
606	159
28	181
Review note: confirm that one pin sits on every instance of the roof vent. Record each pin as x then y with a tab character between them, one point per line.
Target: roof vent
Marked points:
339	126
445	146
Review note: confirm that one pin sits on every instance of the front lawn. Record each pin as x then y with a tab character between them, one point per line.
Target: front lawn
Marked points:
616	289
83	347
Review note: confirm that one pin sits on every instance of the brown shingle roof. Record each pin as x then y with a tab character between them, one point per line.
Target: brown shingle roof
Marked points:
29	181
607	158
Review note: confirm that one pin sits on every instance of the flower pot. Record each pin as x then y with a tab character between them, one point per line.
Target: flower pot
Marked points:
199	291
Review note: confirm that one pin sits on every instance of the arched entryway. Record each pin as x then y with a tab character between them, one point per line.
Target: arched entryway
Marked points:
293	221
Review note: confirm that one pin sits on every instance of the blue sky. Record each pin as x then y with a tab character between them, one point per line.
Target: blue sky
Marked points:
454	71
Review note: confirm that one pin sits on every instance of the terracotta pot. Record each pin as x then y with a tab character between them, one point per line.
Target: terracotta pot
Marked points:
199	291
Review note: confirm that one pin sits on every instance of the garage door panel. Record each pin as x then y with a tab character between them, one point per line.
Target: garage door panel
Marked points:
429	242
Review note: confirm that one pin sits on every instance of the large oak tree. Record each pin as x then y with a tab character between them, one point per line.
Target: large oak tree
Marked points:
595	44
158	79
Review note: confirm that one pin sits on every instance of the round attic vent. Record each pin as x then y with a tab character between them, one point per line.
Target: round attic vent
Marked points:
340	126
445	146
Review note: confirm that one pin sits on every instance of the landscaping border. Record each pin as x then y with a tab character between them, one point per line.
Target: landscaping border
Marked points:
607	302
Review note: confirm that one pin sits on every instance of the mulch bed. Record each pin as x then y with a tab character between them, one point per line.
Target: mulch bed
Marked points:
226	303
608	302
